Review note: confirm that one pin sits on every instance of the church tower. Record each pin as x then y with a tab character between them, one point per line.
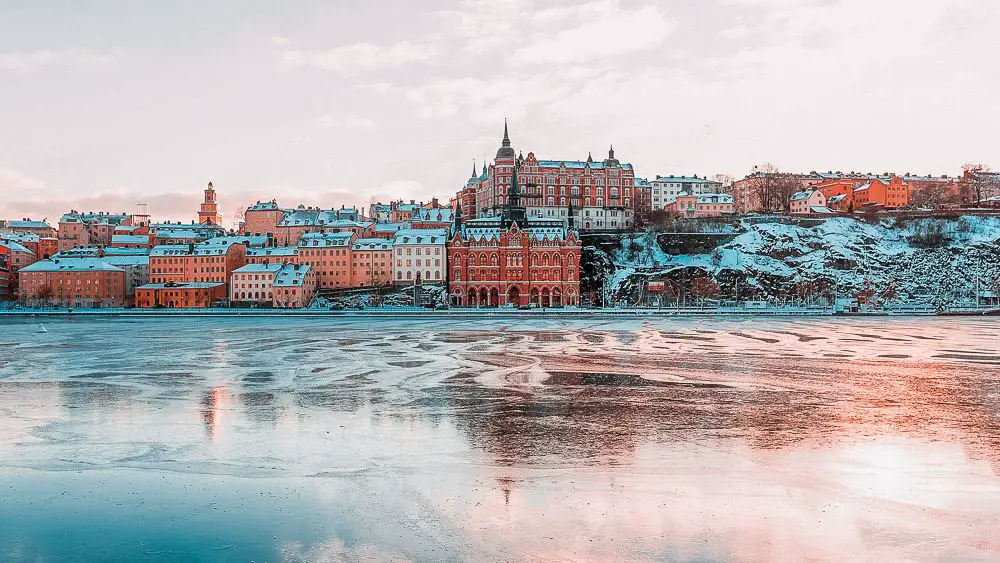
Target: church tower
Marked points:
209	212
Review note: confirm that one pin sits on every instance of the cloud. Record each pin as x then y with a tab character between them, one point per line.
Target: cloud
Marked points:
605	30
353	123
36	60
361	56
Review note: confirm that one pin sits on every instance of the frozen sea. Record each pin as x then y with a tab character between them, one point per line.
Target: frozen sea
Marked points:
300	439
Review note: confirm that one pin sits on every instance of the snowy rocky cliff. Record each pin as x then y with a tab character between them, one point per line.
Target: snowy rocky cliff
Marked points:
923	260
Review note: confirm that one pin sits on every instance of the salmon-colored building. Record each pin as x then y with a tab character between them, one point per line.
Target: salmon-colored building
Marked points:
78	282
329	254
294	286
209	262
371	262
808	202
262	218
89	229
273	285
700	205
13	257
184	295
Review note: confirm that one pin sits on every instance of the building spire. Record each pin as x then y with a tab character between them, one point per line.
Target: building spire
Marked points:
473	168
506	137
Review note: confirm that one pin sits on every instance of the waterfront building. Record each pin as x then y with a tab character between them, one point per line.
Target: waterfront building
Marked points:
663	188
294	287
371	262
209	213
183	233
601	192
419	257
512	259
210	262
696	206
77	282
262	218
180	295
302	220
808	202
13	257
89	229
329	254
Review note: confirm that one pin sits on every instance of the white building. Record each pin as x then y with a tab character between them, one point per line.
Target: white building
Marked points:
809	202
587	218
666	188
419	254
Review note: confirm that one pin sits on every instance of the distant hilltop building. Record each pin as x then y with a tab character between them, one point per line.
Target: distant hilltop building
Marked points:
209	213
605	194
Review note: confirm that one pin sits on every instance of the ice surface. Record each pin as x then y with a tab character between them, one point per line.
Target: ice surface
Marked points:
297	439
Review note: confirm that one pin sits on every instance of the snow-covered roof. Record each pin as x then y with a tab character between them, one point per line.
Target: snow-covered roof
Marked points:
15	246
797	196
129	239
304	217
837	198
264	206
683	180
126	260
94	218
257	269
20	237
273	251
390	227
245	240
180	233
28	224
181	285
715	198
410	237
325	239
72	265
372	244
820	210
291	275
596	165
440	215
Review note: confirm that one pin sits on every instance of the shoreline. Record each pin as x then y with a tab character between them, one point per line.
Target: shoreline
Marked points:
459	313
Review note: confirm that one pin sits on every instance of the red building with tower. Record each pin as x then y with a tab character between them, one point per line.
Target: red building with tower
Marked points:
511	259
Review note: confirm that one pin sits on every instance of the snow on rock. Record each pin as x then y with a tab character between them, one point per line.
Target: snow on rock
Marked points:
932	260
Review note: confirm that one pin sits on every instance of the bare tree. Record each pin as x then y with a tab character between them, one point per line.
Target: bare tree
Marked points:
773	189
704	288
983	183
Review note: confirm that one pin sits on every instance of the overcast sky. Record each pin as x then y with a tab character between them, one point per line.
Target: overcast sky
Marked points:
108	103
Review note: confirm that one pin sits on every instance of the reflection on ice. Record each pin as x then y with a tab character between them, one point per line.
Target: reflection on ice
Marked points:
301	439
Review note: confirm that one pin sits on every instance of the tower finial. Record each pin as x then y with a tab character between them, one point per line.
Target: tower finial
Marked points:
473	168
506	137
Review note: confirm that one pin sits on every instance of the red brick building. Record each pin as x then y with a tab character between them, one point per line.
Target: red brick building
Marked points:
513	260
603	193
78	282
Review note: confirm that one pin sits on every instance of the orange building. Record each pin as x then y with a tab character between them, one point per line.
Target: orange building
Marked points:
893	193
208	262
329	254
371	262
209	214
185	295
80	282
